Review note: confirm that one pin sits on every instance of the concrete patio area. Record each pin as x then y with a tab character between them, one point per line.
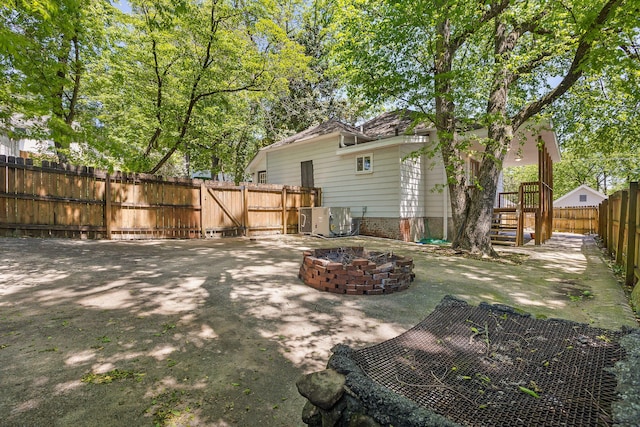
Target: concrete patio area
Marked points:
215	332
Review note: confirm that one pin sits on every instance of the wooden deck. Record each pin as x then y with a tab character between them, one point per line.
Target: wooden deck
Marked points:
532	199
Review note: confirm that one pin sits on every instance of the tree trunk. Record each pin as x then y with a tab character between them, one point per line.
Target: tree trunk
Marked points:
474	232
445	124
215	167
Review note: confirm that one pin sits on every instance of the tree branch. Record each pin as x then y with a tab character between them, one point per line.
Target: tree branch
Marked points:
631	51
531	65
575	70
159	79
76	81
488	15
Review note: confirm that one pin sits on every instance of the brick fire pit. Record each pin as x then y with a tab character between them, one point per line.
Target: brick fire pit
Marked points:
355	271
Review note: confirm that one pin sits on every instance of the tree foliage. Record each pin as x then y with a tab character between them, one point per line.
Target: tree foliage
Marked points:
169	85
183	69
599	122
488	62
45	49
315	96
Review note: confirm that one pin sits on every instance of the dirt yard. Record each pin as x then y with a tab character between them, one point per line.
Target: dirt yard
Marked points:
215	332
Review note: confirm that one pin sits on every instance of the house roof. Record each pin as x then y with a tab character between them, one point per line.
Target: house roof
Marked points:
581	189
385	125
394	123
326	128
409	122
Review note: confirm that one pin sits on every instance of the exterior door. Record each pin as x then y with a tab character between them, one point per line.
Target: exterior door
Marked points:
306	173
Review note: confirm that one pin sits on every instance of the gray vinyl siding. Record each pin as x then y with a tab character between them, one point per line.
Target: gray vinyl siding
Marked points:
434	187
412	184
336	176
395	188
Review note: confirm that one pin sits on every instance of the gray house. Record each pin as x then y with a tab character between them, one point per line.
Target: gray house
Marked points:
370	170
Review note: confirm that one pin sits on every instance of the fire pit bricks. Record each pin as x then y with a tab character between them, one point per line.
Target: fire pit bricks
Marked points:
355	271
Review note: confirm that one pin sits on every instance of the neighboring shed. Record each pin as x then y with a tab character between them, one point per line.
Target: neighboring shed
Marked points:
579	197
370	169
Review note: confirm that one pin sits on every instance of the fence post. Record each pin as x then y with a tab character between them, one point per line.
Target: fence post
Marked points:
284	209
631	233
245	210
520	216
622	226
107	205
602	212
203	203
610	227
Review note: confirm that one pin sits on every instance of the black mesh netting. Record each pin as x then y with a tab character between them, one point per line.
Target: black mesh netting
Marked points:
489	366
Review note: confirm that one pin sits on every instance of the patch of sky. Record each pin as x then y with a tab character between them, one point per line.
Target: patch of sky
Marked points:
123	5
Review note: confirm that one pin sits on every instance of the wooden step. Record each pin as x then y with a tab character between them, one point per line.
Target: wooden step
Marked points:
503	242
502	236
504	220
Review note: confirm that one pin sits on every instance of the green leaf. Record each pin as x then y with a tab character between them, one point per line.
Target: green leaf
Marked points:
529	392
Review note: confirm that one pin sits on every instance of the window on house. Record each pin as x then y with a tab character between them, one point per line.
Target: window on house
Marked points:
583	197
262	177
364	163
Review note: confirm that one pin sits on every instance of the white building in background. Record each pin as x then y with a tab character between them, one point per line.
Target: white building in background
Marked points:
21	144
581	196
8	147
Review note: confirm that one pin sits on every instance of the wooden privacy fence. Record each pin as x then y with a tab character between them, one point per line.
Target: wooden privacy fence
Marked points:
620	229
69	201
579	220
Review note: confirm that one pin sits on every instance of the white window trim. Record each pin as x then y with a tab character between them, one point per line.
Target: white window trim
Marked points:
262	173
362	156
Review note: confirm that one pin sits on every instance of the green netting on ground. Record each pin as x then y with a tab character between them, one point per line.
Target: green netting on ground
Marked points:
431	241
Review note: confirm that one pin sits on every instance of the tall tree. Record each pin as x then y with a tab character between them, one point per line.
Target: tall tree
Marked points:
180	63
491	61
317	95
45	49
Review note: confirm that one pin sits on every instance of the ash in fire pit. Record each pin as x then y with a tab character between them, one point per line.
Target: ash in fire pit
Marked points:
355	271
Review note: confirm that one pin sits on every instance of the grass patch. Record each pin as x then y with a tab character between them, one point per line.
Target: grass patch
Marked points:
109	377
170	409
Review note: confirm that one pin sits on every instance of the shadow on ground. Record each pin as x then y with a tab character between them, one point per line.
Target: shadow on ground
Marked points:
215	332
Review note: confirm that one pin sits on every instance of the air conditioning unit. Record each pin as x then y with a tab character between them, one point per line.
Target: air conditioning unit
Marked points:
326	222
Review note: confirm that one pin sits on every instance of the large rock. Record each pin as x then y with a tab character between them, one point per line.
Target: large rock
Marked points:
323	388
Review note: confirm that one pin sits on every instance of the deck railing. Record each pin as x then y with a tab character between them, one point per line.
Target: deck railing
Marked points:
529	195
528	200
508	200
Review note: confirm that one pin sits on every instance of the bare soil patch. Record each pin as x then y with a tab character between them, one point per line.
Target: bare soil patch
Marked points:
215	332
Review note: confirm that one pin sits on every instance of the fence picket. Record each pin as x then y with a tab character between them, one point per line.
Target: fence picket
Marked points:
622	230
80	202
